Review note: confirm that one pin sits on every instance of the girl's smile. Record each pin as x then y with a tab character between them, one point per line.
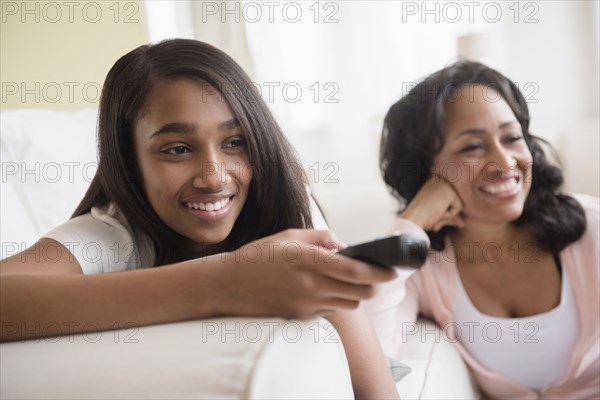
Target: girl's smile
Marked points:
211	209
193	159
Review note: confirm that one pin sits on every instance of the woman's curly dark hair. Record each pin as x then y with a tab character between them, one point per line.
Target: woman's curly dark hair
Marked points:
412	136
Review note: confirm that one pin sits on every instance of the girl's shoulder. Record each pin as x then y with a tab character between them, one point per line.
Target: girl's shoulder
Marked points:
102	241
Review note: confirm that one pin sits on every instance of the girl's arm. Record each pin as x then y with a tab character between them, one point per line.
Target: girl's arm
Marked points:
371	376
36	294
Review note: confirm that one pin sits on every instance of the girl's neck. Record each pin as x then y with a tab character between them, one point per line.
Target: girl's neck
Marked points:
196	250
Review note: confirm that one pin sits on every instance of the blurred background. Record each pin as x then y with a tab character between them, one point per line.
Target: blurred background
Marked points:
329	70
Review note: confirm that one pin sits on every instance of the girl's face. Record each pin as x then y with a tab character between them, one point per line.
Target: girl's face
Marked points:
193	159
485	157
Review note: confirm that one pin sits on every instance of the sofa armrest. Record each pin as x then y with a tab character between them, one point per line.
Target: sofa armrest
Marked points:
217	358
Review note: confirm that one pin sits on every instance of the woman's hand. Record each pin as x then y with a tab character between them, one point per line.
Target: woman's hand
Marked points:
436	205
295	274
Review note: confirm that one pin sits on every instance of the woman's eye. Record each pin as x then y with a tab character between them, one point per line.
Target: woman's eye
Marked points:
469	148
177	150
237	142
515	138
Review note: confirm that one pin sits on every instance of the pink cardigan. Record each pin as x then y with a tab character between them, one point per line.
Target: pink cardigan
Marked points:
431	291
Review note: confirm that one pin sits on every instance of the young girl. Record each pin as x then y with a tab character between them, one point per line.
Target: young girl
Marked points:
194	177
513	278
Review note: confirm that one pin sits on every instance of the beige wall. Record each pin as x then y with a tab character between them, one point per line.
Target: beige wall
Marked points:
56	54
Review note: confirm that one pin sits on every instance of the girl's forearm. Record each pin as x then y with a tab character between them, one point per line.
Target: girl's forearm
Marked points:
30	305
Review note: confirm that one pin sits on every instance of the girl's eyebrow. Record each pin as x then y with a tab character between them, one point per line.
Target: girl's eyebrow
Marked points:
189	128
229	124
175	127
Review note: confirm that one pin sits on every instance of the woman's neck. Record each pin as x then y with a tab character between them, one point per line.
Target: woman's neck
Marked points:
502	234
482	241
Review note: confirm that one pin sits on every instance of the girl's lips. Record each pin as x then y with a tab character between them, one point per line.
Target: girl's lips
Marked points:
210	210
208	205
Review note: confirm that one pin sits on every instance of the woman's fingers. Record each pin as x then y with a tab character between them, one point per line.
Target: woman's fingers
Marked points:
451	218
434	205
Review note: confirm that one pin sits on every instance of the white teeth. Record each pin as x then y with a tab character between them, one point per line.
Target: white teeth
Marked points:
209	206
506	186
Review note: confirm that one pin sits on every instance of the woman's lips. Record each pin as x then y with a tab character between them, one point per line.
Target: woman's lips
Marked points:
504	188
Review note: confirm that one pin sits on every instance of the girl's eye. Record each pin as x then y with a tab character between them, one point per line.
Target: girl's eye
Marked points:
236	142
177	150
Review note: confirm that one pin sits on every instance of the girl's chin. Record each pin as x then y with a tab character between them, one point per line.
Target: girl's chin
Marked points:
203	239
210	240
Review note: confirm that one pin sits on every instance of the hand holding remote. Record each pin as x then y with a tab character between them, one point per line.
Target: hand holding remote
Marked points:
403	251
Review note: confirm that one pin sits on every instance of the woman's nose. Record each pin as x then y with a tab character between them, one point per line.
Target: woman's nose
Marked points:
501	162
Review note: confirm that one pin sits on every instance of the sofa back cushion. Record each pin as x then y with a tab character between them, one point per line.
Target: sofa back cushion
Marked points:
48	161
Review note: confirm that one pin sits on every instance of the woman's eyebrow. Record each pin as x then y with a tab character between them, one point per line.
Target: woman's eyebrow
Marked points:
473	131
175	127
479	131
507	123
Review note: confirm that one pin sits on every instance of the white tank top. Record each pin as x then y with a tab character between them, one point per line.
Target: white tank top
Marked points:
534	351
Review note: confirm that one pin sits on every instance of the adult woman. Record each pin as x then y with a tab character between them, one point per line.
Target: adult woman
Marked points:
513	275
194	175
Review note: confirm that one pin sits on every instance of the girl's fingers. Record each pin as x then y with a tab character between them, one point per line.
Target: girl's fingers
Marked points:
334	304
321	238
347	291
345	269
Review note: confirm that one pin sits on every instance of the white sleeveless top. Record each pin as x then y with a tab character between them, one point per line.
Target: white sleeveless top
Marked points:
103	241
534	351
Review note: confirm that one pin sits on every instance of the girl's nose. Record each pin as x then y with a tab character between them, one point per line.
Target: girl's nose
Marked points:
211	173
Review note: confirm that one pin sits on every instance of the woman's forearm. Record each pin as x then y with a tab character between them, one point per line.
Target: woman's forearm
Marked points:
371	377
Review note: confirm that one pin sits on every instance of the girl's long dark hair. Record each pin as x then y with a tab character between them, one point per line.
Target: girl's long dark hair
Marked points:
277	197
412	136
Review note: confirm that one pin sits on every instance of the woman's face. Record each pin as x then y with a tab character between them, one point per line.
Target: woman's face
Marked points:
485	156
193	159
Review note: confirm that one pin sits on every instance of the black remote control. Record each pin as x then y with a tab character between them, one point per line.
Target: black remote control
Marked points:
402	251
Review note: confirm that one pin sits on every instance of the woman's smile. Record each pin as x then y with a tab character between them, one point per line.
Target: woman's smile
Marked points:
503	188
494	163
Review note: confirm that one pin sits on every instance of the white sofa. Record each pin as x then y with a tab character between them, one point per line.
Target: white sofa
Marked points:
48	159
231	358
